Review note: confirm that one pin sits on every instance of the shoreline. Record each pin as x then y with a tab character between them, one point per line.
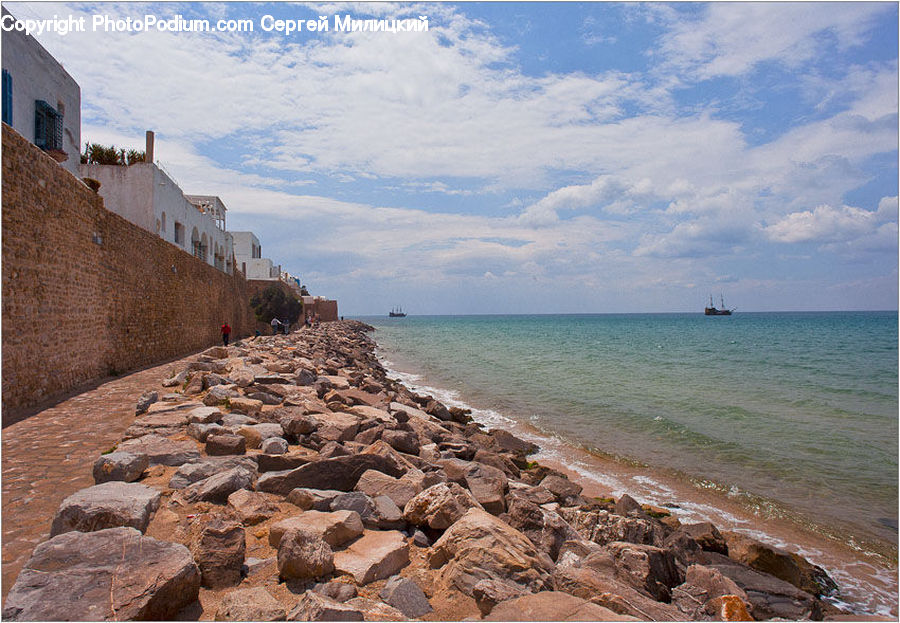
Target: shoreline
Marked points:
281	440
861	572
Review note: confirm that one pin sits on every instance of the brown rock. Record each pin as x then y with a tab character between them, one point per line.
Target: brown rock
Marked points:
375	556
110	574
647	568
247	406
400	490
439	506
221	445
218	547
489	593
341	473
707	536
304	554
252	507
481	547
553	606
250	604
334	528
315	607
108	505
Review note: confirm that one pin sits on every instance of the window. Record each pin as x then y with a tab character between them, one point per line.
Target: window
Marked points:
48	127
164	221
179	233
7	97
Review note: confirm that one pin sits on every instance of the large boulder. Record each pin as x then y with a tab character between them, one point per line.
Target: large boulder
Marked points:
374	556
783	565
303	554
406	596
316	607
707	536
126	466
161	450
702	585
190	473
341	473
114	574
335	528
218	487
553	606
603	527
108	505
546	529
218	548
439	506
648	568
252	507
400	490
479	546
250	604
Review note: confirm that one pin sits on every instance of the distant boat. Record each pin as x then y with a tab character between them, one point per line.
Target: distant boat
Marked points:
712	310
397	313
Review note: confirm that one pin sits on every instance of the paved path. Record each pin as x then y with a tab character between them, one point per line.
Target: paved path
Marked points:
50	455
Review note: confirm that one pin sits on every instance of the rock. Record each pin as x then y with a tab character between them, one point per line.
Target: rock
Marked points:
285	462
481	547
603	588
647	568
338	591
374	556
255	434
545	529
400	490
178	379
626	505
340	473
707	536
769	597
294	422
406	596
204	415
274	445
337	426
402	441
218	487
335	528
439	506
250	604
552	606
107	505
162	451
304	377
602	527
252	507
489	593
376	610
701	586
236	420
489	492
783	565
144	402
190	473
438	410
113	574
266	398
315	607
219	394
247	406
195	385
304	554
201	432
124	466
563	489
510	443
222	445
728	608
313	499
218	549
420	539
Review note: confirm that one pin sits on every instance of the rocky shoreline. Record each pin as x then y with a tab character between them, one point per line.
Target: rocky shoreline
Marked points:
287	478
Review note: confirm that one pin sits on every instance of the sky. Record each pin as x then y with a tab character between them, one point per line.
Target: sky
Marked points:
526	157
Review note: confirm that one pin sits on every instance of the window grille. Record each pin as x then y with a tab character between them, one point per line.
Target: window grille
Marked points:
48	127
7	98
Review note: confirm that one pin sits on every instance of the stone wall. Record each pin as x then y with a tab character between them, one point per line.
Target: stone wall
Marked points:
87	294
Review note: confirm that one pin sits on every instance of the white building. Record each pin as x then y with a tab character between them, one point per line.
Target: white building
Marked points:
40	100
249	259
146	196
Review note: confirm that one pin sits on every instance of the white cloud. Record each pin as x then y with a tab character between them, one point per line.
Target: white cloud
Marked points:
827	224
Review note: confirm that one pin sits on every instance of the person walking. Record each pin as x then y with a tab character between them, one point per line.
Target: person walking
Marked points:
275	322
226	333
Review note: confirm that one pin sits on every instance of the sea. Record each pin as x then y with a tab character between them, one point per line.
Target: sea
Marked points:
783	426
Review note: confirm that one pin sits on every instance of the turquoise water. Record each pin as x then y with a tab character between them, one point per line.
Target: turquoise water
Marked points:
797	412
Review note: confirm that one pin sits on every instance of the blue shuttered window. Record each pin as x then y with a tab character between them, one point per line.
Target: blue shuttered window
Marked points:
7	97
48	127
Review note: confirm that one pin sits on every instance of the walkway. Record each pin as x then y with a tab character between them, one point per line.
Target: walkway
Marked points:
50	455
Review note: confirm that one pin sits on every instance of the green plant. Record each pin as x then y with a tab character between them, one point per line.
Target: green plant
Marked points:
110	451
273	302
95	153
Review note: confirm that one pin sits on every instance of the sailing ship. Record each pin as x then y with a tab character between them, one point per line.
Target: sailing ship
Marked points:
712	310
397	313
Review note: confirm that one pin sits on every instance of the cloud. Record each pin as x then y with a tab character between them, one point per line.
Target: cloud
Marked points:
731	39
827	224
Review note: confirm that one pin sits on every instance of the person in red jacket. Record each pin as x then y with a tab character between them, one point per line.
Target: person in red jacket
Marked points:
226	333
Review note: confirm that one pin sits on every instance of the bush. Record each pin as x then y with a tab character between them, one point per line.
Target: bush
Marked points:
274	303
95	153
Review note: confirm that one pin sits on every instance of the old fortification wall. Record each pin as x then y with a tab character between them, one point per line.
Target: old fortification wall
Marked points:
87	294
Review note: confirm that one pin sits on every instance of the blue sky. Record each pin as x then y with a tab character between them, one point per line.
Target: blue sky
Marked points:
528	157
